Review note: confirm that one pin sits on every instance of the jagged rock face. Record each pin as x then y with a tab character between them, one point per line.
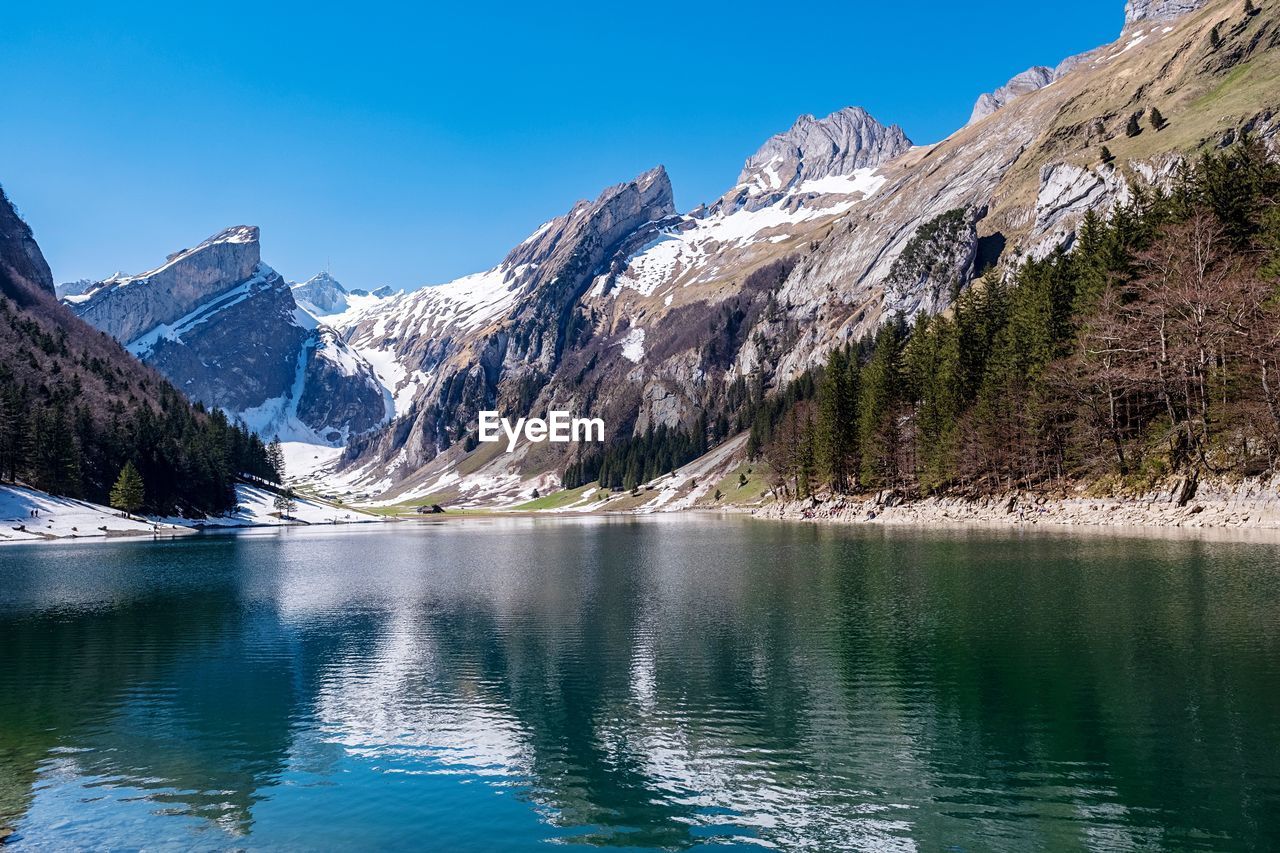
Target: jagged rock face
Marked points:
1028	81
493	339
19	252
838	145
225	329
1068	192
126	306
320	295
1136	11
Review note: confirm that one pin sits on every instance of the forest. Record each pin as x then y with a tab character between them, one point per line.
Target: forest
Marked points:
1151	349
72	417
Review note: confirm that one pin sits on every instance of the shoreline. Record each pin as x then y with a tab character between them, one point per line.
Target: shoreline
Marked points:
1220	507
62	519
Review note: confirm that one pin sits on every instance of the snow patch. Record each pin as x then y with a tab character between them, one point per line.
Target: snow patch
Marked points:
633	345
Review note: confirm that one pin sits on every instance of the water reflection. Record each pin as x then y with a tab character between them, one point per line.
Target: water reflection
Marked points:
653	682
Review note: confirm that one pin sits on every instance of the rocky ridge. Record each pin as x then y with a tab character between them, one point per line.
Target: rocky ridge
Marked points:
1033	78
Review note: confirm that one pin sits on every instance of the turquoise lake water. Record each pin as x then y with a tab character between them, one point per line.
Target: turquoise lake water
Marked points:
678	684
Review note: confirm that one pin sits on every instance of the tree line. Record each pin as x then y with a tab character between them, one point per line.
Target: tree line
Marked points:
1150	349
187	460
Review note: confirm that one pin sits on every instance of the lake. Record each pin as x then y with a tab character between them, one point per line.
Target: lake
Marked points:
641	683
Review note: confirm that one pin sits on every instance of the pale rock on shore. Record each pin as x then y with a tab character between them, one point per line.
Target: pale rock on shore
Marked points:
1249	504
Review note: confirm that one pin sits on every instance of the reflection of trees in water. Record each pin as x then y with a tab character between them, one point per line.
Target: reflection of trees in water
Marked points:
151	694
158	678
646	682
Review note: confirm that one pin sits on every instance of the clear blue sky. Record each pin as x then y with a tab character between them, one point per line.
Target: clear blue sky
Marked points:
408	145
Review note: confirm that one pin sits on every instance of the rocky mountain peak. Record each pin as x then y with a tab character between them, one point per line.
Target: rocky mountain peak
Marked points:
321	294
126	306
840	144
1136	11
618	209
1033	78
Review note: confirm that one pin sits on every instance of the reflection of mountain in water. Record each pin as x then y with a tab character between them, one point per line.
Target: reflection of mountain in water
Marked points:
657	683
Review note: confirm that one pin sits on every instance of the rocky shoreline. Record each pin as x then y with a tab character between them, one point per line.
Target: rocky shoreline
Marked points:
1243	505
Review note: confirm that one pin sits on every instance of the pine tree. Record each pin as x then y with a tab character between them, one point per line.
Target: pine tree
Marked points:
1157	119
1249	8
129	493
1215	37
877	409
1107	157
836	434
1133	128
275	459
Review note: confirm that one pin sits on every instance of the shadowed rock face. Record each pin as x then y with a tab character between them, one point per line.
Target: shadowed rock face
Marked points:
225	329
240	356
340	389
493	340
19	253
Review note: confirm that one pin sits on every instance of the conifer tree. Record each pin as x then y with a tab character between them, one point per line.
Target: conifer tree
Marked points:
129	493
877	408
275	459
1107	157
1157	119
1133	128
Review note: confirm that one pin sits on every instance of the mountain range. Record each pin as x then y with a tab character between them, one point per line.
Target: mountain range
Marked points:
625	308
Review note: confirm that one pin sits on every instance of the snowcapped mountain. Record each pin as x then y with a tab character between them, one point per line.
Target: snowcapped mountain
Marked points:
627	310
224	327
322	295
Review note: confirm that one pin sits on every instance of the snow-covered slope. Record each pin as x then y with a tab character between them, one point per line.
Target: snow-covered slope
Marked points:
323	296
67	518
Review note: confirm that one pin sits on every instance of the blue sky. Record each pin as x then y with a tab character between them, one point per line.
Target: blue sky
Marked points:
408	145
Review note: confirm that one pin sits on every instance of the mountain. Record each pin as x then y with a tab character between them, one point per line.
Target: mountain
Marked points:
75	406
1036	77
320	295
26	272
225	327
75	288
816	156
655	320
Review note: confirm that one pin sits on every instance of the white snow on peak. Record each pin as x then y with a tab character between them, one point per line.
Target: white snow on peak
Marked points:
235	234
692	241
